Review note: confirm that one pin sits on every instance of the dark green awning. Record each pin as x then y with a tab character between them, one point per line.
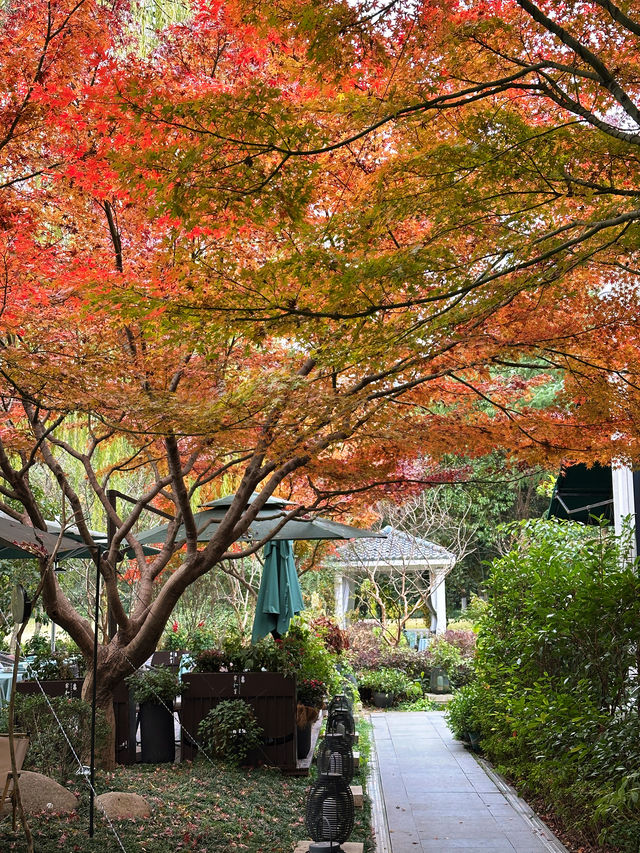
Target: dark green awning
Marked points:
583	494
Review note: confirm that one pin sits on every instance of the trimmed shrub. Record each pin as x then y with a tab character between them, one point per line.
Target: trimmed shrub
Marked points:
556	696
230	731
387	680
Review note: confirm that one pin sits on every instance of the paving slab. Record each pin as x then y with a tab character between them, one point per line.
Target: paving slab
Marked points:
437	797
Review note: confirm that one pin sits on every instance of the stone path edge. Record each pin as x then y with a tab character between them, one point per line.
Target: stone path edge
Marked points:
545	834
382	839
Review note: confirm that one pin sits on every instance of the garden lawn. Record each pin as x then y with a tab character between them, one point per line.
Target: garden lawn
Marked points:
203	806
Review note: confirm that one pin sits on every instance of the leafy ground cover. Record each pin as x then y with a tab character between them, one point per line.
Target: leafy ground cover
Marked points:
202	806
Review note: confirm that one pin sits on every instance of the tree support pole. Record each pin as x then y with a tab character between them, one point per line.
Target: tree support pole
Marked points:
94	695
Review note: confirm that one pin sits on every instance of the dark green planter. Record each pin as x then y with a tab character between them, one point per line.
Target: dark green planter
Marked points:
383	700
303	739
157	736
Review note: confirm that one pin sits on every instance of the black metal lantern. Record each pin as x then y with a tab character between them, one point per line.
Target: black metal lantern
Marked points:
329	815
341	722
335	755
341	702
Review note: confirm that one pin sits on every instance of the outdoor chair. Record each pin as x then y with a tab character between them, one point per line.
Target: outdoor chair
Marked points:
21	744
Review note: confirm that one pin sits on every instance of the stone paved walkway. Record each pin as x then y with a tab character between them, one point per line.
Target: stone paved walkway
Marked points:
439	799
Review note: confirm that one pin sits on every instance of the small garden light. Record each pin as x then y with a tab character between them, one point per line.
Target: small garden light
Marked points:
335	755
329	814
341	722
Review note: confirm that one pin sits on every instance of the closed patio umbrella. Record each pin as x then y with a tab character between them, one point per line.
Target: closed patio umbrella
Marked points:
279	596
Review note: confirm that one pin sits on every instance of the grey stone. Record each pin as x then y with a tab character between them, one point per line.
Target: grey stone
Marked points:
39	794
120	805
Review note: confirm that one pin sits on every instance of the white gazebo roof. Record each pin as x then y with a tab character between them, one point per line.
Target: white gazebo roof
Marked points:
398	549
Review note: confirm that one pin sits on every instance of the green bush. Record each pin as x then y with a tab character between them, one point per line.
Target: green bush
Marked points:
623	835
388	680
556	658
65	663
445	655
419	703
563	605
194	640
230	731
37	646
159	685
463	711
307	656
49	752
450	657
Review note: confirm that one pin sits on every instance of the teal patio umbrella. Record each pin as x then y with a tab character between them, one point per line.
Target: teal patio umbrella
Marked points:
20	541
81	551
269	611
279	596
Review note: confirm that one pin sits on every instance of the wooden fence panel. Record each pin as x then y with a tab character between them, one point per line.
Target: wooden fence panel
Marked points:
272	697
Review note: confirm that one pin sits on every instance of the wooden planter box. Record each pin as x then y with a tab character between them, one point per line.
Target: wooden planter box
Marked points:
123	708
272	697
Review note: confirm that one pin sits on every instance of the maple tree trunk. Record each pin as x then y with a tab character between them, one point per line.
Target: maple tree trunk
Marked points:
106	752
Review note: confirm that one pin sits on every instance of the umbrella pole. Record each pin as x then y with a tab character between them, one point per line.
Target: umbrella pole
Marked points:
94	695
56	568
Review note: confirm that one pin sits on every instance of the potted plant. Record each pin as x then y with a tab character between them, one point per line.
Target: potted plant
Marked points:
386	685
462	714
310	693
155	690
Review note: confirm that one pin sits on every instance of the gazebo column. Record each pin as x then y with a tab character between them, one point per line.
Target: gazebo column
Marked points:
439	600
343	596
624	502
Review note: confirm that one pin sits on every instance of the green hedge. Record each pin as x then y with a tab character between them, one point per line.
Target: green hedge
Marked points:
556	692
59	732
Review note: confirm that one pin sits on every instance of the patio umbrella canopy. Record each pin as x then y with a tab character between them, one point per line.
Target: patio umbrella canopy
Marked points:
268	518
21	542
279	596
583	494
80	550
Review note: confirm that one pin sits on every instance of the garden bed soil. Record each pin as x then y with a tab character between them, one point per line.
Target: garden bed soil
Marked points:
563	833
